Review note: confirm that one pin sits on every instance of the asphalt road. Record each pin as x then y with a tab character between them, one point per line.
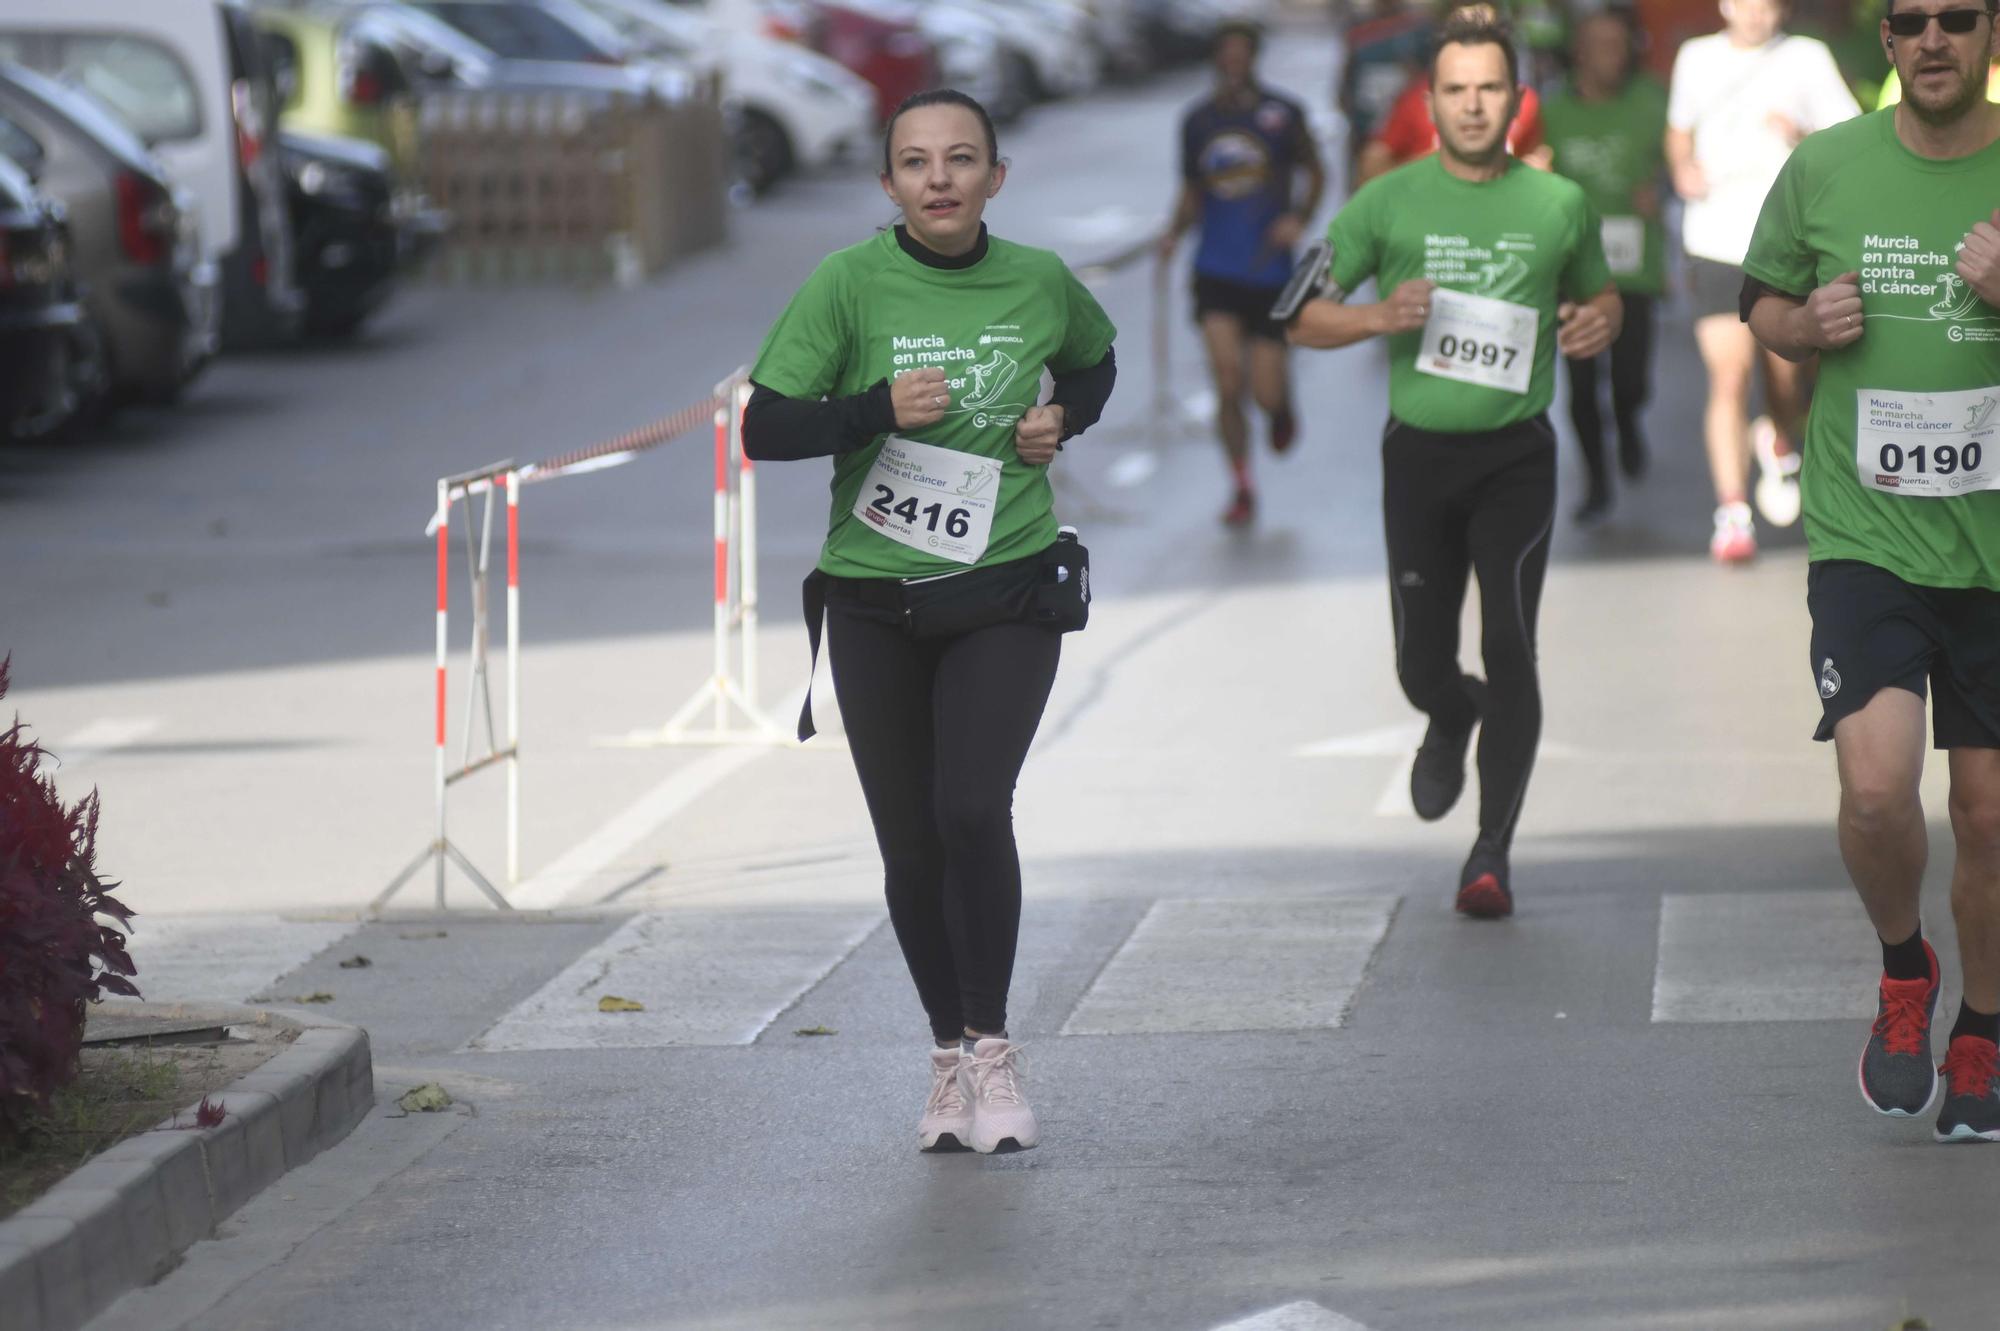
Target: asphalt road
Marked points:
1275	1071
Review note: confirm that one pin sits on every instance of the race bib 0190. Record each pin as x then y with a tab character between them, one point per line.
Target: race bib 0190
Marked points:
1624	244
1479	340
1926	445
936	500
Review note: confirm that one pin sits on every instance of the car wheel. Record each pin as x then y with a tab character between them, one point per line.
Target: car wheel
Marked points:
763	153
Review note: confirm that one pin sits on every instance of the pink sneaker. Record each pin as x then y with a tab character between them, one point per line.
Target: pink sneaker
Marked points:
947	1121
992	1078
1735	538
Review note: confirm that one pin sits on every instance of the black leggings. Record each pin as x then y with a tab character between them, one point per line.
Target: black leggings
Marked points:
939	729
1481	503
1631	385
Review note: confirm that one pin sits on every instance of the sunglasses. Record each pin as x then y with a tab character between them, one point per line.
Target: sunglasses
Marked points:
1958	21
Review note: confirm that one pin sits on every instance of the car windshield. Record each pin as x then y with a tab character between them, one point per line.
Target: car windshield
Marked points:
143	84
519	32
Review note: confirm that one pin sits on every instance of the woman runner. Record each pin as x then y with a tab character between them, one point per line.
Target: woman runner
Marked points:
914	360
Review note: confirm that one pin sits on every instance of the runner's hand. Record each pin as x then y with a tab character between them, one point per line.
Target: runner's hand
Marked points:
1039	435
1979	259
920	397
1407	307
1833	313
1283	234
1691	182
1583	331
1646	200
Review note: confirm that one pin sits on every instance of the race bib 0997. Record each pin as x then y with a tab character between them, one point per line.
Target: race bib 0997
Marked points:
1479	340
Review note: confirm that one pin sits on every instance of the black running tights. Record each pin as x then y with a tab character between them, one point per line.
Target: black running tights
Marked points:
1455	504
939	729
1631	384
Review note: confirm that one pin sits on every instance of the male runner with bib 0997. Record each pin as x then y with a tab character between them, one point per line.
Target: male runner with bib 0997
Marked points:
1879	250
915	359
1490	266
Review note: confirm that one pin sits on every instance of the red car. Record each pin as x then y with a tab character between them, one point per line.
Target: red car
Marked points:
880	44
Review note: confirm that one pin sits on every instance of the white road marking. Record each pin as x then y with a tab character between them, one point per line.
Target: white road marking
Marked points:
1200	404
99	737
582	863
1184	968
1764	956
223	958
705	978
1300	1316
1134	469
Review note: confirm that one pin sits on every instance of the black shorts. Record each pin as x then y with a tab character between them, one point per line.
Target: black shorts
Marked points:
1873	631
1249	304
1717	288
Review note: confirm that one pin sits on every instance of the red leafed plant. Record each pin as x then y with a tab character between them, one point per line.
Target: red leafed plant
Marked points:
56	954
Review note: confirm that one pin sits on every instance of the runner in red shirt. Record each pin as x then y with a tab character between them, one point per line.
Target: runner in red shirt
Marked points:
1408	133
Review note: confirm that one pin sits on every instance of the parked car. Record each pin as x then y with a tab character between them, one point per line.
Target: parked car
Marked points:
353	239
148	294
189	77
884	45
39	312
559	34
334	79
789	107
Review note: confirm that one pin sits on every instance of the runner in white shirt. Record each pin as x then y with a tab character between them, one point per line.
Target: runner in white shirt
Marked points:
1741	99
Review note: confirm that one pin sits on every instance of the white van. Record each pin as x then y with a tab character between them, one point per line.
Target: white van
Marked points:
190	77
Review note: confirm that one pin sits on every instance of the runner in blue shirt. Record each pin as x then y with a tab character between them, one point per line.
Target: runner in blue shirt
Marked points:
1242	152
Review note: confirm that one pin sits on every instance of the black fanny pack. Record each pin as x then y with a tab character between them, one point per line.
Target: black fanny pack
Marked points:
1050	589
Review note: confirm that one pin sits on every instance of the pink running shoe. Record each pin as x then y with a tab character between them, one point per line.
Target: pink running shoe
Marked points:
1735	538
992	1078
947	1121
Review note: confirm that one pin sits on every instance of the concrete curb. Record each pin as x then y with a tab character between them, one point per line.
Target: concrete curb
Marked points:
123	1219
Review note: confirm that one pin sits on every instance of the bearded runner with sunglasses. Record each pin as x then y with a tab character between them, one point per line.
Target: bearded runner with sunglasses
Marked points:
915	359
1490	265
1879	250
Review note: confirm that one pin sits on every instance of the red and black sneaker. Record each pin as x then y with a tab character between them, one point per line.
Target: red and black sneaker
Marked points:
1971	1110
1896	1074
1483	891
1242	510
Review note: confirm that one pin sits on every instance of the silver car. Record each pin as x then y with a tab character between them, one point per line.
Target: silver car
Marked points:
149	297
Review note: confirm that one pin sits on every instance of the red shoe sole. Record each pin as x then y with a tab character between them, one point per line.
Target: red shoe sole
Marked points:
1484	899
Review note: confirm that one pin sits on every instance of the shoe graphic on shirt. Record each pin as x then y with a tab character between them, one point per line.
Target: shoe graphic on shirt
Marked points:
1957	299
990	379
1500	273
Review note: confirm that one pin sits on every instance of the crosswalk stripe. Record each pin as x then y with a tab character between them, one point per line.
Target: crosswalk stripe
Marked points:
223	958
1301	1316
1764	956
702	978
1236	964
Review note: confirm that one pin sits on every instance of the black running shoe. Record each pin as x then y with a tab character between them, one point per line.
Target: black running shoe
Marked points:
1897	1076
1483	889
1438	775
1971	1110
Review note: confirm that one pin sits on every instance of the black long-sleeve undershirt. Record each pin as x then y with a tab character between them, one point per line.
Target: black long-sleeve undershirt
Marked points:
777	428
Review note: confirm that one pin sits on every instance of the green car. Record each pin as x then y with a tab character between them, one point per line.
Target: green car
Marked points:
338	81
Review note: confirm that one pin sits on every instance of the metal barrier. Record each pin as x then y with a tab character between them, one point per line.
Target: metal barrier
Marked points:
731	689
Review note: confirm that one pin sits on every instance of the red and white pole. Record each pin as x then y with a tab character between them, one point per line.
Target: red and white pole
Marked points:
443	601
513	483
721	565
746	550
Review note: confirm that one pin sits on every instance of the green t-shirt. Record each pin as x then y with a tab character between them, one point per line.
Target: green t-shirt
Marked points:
1614	148
871	311
1853	199
1528	237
